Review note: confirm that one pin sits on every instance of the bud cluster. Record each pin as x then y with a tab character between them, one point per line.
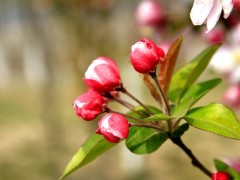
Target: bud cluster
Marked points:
104	83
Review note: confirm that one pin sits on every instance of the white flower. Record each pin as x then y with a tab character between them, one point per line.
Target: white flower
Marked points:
209	11
235	75
223	61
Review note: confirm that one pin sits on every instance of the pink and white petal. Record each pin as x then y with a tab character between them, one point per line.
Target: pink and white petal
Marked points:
110	137
214	15
119	126
200	11
227	7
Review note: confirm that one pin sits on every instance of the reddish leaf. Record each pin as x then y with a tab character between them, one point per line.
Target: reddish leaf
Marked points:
152	88
168	64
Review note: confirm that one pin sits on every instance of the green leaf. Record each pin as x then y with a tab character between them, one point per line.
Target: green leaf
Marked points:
196	91
142	140
180	130
90	150
181	109
143	112
223	167
159	117
215	118
188	74
192	95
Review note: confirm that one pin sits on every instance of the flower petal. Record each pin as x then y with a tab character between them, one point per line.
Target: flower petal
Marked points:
200	11
227	7
214	15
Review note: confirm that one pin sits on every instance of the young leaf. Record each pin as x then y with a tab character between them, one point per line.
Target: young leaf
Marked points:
181	109
168	64
180	130
196	91
143	140
152	88
223	167
90	150
215	118
158	117
143	112
188	74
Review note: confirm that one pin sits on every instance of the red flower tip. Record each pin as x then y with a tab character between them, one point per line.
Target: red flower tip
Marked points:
220	176
150	13
145	55
102	75
89	105
214	36
232	96
113	127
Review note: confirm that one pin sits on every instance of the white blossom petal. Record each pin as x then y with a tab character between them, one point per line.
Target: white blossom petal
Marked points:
235	75
200	11
223	61
227	7
214	15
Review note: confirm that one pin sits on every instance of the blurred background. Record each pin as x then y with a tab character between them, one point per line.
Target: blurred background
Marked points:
45	48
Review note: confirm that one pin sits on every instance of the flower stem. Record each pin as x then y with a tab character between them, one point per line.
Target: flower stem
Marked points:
141	123
123	90
195	161
107	109
165	100
128	105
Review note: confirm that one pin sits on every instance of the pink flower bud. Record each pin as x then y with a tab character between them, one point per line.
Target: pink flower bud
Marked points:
145	55
102	75
220	176
232	96
89	105
236	4
149	13
113	127
234	163
214	36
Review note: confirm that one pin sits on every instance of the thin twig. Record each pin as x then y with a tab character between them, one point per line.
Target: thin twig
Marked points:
107	109
195	161
129	106
165	100
123	90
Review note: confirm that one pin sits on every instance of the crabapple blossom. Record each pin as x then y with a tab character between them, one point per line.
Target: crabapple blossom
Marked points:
89	105
232	96
145	55
234	35
102	75
149	13
214	36
234	77
209	11
113	127
236	4
233	162
220	176
223	61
